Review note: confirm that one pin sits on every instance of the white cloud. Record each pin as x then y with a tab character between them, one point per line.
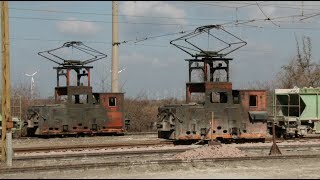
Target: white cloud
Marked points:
146	16
77	27
153	8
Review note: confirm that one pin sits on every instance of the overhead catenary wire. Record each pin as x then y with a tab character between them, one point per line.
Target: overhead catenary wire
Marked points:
282	28
317	14
55	11
109	14
163	35
266	15
210	3
102	42
283	6
147	23
230	25
273	5
288	5
97	21
196	2
237	22
151	23
129	15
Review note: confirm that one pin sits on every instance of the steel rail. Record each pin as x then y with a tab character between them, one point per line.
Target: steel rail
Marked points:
152	162
89	146
135	152
97	154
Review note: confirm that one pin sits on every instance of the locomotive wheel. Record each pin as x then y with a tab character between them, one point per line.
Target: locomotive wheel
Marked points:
263	140
278	134
31	131
287	136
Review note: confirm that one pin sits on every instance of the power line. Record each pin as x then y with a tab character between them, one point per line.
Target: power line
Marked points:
88	13
55	11
271	5
109	14
169	34
97	21
285	5
145	23
311	28
266	15
317	14
274	19
210	4
280	28
101	42
57	40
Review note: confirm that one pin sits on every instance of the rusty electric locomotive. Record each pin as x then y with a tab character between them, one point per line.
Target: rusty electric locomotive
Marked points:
224	114
77	110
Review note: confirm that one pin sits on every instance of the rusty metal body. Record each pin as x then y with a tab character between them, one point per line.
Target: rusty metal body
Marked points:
235	117
222	114
97	117
77	110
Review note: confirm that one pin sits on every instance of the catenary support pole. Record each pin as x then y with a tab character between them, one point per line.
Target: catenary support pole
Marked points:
115	46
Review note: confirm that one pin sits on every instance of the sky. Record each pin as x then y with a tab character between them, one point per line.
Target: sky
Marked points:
153	66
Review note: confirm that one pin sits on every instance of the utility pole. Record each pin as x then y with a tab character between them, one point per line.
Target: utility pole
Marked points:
6	135
115	46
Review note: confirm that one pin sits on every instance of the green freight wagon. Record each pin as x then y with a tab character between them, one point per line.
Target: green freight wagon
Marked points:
297	112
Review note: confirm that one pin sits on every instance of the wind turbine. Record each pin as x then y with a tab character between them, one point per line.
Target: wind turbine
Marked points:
123	69
32	85
119	70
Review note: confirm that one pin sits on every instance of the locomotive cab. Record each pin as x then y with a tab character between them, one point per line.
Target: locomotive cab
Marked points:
222	113
77	110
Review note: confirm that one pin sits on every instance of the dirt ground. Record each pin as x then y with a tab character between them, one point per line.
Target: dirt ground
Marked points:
249	169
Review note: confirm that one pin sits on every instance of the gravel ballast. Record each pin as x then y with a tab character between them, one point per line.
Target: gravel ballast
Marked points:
215	151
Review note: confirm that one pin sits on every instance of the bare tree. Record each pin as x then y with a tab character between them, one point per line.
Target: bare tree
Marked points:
261	85
143	112
301	71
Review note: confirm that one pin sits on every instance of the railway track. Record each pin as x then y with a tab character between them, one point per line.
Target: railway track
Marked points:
269	139
141	157
154	135
125	134
100	157
110	154
84	151
156	163
285	149
139	144
89	146
146	143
